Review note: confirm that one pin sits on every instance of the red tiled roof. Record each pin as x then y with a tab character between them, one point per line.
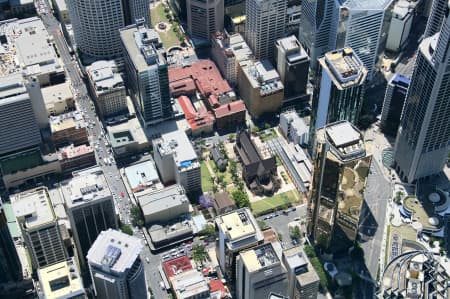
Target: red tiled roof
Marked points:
213	101
196	118
183	86
216	285
230	108
205	74
171	267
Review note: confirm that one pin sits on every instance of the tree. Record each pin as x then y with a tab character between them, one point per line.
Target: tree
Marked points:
199	253
262	224
127	229
280	237
215	188
240	198
255	130
295	233
209	231
232	137
136	216
266	126
398	197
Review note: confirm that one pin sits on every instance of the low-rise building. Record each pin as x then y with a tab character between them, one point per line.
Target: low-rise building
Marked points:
175	233
222	203
200	120
61	281
260	272
260	87
143	176
58	98
68	128
107	87
177	160
163	205
73	157
238	230
60	8
219	159
16	9
303	281
294	128
127	138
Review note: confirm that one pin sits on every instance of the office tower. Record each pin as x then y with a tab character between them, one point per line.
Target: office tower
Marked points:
137	10
265	23
303	281
400	27
238	230
423	139
10	266
293	66
439	8
394	100
39	226
146	73
90	207
339	90
116	269
96	24
18	125
361	25
37	101
204	18
341	169
177	160
259	272
61	281
107	87
315	28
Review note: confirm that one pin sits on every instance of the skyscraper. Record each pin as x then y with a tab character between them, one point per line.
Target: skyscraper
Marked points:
361	25
265	23
39	226
436	18
204	18
423	139
315	28
116	268
10	266
339	90
146	73
90	207
393	103
96	24
341	169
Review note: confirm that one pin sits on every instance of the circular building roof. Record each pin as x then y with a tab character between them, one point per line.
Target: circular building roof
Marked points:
433	221
434	197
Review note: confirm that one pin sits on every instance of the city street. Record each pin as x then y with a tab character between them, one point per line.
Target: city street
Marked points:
98	139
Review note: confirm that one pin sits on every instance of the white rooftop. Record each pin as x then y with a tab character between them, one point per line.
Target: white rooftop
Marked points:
263	75
142	174
342	133
86	186
189	284
33	207
104	75
178	144
158	200
114	251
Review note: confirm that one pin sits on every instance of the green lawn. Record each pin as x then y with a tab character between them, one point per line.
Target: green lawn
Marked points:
268	134
206	178
169	38
226	173
263	206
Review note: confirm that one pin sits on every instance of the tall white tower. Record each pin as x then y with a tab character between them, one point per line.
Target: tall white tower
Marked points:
423	139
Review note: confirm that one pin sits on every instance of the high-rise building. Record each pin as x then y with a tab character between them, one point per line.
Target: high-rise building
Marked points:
339	90
341	169
96	24
107	87
116	269
293	66
90	207
146	73
437	14
265	23
10	266
393	103
238	230
423	139
315	28
303	279
204	18
177	160
361	25
400	27
259	272
61	281
39	226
